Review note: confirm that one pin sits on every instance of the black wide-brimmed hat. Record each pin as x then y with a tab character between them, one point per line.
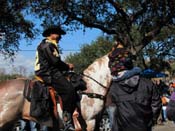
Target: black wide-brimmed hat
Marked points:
53	30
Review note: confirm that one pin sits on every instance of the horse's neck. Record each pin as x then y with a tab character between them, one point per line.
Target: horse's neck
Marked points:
99	71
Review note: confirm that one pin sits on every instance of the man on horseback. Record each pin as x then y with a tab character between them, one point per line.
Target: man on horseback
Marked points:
51	69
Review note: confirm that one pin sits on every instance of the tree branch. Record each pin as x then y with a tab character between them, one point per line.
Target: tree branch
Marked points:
87	23
153	33
118	8
140	12
94	25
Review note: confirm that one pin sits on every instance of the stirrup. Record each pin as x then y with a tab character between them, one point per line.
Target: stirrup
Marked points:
67	121
69	127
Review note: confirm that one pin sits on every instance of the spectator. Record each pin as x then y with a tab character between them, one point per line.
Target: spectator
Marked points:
165	100
164	93
171	87
27	125
137	100
171	108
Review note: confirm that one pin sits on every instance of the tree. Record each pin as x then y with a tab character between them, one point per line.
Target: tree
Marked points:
88	53
13	25
2	71
136	23
158	54
20	70
4	77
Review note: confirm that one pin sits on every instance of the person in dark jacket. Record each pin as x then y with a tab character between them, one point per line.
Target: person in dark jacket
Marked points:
170	110
137	100
51	69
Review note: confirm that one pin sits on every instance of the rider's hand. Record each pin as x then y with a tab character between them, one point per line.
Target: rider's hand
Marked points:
71	66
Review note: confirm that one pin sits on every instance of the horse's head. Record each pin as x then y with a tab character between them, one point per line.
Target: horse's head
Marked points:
100	74
98	78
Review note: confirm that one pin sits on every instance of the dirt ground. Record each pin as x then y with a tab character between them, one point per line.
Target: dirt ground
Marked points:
167	126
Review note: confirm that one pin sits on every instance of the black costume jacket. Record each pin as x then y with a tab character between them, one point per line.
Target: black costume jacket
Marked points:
48	62
138	104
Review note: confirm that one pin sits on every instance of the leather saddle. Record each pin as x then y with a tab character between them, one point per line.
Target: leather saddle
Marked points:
37	88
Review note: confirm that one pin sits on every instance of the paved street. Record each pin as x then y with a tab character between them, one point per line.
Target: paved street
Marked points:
168	126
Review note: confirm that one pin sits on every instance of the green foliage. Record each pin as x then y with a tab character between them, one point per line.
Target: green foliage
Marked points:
159	65
159	53
173	66
14	25
89	53
136	23
4	77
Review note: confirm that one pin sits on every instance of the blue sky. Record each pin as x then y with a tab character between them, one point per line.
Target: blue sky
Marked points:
71	42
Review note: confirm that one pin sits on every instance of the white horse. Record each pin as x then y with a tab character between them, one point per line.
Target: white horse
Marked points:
14	106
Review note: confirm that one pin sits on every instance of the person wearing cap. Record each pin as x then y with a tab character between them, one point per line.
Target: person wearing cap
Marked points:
50	68
137	100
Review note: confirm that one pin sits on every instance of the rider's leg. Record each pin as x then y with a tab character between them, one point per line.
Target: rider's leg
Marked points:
68	95
67	119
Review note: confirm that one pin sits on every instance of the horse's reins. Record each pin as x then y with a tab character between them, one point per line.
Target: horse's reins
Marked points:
94	80
94	95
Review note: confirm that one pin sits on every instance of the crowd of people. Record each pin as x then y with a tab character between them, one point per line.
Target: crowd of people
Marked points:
166	89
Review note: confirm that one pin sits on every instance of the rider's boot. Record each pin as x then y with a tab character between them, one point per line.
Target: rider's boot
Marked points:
67	119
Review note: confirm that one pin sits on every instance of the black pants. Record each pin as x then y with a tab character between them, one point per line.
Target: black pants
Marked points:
66	91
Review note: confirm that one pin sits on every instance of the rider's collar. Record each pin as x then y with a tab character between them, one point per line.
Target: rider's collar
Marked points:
51	41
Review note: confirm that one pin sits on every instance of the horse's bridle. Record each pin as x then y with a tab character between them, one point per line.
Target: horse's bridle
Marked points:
94	95
94	80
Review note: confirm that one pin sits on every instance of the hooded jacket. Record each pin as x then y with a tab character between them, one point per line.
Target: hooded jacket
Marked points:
138	104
